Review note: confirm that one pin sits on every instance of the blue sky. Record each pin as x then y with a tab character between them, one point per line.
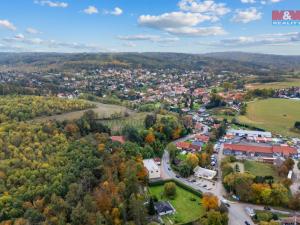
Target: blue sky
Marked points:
192	26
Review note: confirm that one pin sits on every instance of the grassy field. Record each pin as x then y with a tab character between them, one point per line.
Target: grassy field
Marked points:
275	85
186	209
103	111
223	113
260	169
275	115
136	120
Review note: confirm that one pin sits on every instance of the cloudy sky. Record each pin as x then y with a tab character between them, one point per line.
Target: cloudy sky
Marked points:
192	26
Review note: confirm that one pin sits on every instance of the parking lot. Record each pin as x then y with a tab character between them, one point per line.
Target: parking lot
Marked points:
203	183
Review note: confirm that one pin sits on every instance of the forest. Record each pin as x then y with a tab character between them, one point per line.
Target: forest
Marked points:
22	108
61	173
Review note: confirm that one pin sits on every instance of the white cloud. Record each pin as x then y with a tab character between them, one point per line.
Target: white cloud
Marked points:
173	20
52	3
6	24
31	30
207	7
129	44
186	20
264	2
116	12
50	45
197	31
19	36
248	1
263	39
247	15
91	10
144	37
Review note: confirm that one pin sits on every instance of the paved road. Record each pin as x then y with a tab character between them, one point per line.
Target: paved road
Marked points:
237	213
296	183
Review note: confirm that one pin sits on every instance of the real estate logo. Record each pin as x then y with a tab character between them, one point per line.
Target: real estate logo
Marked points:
286	17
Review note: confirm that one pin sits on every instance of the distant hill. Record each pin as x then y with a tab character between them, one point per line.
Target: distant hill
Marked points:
271	61
258	64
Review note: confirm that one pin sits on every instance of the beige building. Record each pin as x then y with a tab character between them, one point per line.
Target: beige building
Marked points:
153	168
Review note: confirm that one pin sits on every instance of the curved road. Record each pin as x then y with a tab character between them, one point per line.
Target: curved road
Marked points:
237	213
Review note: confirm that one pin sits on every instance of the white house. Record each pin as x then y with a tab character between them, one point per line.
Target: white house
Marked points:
153	168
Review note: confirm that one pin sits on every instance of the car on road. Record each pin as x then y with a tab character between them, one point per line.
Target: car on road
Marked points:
177	176
267	208
247	223
225	202
169	168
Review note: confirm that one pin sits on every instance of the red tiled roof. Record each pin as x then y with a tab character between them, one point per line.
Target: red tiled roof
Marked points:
202	138
196	147
285	150
183	145
248	148
120	139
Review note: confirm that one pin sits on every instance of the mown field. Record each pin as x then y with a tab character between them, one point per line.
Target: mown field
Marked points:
275	115
188	206
275	85
260	169
135	119
103	111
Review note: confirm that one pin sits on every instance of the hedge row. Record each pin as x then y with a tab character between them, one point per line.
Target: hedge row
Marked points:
180	184
236	122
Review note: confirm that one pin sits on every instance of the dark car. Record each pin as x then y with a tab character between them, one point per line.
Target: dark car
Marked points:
193	180
247	223
177	176
267	208
169	168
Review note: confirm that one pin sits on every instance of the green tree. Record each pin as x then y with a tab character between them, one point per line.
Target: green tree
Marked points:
170	189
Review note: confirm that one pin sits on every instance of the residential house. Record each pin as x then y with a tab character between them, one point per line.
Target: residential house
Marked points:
120	139
164	208
152	168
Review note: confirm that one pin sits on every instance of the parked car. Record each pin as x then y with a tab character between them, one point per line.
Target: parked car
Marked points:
267	208
247	223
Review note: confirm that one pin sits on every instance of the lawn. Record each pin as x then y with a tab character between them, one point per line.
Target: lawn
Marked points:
275	85
275	115
260	169
186	209
136	120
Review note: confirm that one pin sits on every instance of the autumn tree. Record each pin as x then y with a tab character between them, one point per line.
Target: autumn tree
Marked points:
210	201
150	138
192	160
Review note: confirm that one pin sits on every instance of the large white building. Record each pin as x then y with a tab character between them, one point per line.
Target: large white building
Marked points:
249	133
153	168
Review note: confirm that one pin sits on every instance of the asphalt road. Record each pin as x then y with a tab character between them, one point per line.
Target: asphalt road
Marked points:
237	214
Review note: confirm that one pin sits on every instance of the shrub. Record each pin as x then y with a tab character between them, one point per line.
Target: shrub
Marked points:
170	189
